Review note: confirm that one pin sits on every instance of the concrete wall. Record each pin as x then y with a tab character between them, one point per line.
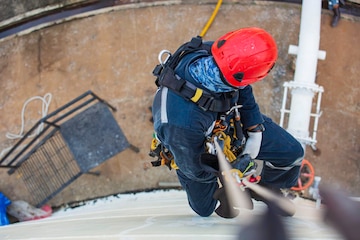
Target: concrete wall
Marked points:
113	51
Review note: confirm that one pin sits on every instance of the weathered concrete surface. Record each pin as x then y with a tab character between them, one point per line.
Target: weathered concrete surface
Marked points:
113	52
14	10
166	215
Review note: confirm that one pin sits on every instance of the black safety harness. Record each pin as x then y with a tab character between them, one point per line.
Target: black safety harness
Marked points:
221	103
165	76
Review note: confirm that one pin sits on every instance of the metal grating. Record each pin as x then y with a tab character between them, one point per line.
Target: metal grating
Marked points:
71	143
49	169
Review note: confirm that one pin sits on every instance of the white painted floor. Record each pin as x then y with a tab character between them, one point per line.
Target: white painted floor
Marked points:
159	215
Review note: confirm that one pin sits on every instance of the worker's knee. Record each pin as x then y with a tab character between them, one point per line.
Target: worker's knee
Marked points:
204	211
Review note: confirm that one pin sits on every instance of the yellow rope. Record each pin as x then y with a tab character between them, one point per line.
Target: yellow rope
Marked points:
211	19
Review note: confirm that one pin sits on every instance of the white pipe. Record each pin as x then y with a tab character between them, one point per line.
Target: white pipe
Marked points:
309	41
305	72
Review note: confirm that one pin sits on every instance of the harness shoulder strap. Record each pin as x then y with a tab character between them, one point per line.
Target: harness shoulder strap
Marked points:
166	76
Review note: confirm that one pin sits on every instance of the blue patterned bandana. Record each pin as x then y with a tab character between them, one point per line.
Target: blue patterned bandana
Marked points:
206	73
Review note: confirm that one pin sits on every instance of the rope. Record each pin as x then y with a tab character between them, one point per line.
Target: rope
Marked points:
211	19
44	111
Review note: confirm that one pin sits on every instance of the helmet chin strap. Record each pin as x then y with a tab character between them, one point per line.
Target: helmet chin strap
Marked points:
223	79
228	84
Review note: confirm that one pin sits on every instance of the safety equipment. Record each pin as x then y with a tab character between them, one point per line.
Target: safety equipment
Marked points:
165	76
253	143
164	156
226	143
244	56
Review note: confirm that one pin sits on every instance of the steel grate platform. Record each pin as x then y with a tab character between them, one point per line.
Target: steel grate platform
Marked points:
74	139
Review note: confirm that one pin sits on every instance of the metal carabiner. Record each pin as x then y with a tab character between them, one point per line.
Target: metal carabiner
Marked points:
235	107
160	56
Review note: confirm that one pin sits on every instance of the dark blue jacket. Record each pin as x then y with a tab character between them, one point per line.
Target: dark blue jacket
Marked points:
250	113
182	127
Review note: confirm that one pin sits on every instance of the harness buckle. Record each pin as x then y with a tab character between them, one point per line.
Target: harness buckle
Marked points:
208	102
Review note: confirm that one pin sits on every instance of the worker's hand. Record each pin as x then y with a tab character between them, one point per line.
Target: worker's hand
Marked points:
253	143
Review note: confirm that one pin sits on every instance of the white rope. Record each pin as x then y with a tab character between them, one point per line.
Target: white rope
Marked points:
44	111
45	106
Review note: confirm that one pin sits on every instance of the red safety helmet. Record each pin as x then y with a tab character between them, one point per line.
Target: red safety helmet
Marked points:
245	56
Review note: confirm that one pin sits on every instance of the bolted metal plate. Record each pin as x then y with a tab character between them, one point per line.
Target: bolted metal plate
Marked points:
93	136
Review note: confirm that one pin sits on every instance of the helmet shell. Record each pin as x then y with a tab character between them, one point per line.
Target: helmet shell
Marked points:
245	56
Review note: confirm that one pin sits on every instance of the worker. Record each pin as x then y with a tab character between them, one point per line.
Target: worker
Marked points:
206	83
334	5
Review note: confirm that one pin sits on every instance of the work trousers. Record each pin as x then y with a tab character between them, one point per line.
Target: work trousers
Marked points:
182	127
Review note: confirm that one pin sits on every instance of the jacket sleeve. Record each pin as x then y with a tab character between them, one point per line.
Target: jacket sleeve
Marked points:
250	113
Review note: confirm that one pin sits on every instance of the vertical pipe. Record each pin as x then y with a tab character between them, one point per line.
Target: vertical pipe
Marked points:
305	72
